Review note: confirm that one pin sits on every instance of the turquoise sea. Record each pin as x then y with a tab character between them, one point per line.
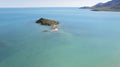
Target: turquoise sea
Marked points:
85	38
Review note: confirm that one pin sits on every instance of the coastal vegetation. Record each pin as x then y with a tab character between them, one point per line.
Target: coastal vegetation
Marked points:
113	5
48	22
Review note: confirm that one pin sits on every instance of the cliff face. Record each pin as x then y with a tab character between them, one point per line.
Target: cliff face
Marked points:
113	5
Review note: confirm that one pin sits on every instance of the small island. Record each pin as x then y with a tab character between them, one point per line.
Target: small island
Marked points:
48	22
113	5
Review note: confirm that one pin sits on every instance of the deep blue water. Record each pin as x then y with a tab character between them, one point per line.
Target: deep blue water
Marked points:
85	39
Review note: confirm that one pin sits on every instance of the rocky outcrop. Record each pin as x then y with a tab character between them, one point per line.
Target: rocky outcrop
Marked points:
47	22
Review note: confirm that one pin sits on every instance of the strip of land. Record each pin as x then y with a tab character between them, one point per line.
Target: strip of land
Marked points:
113	5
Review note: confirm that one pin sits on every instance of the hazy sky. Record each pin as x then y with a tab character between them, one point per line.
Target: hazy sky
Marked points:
48	3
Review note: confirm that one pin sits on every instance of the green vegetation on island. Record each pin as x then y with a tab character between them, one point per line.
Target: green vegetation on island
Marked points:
48	22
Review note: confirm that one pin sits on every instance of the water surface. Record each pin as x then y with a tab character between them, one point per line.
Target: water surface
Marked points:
85	39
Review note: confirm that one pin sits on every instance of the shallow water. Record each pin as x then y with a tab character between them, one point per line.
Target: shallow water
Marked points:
85	39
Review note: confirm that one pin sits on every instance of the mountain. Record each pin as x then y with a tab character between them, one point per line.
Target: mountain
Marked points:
113	5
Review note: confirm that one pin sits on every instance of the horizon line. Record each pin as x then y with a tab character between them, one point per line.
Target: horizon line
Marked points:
43	7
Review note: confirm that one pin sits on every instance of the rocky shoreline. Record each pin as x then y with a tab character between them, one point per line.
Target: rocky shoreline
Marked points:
48	22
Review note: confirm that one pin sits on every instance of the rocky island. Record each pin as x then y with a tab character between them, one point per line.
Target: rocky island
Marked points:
48	22
113	5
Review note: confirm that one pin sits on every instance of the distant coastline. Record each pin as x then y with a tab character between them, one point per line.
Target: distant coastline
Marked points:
113	5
